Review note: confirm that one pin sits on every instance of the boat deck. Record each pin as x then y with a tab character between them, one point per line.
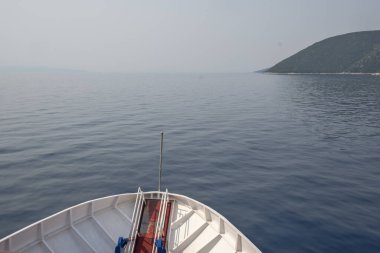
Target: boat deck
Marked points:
95	226
145	238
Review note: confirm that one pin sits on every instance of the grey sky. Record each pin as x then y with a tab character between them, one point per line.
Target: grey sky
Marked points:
171	36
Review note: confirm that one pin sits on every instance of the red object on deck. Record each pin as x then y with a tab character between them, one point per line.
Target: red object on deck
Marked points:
145	237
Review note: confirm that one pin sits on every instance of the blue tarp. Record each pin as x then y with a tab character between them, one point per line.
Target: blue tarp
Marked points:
121	242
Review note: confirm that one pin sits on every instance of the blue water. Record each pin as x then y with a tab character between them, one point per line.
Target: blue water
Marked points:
292	161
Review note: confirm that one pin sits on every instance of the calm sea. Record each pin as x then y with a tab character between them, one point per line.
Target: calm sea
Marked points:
292	161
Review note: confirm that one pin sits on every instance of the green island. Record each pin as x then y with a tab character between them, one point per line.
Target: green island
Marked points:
351	53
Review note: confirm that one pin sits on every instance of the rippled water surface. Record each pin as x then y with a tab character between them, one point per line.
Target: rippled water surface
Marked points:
292	161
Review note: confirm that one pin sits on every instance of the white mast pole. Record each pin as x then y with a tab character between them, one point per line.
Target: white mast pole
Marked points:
160	168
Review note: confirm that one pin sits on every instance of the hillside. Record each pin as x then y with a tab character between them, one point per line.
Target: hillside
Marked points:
357	52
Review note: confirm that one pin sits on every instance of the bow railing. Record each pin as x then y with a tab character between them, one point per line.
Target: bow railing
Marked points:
136	217
160	224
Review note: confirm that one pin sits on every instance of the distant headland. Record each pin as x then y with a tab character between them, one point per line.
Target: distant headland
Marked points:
351	53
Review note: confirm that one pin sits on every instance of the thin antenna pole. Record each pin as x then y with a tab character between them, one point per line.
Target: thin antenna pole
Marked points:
160	168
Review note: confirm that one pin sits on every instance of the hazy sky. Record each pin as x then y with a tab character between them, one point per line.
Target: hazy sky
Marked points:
173	35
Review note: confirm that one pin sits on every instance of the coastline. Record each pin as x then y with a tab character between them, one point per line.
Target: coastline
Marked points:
342	73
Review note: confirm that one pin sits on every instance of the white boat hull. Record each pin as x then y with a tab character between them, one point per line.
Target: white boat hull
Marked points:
94	226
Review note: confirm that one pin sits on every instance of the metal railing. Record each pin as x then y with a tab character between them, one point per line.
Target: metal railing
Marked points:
136	217
160	223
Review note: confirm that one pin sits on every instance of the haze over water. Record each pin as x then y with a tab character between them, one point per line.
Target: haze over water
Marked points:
292	161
